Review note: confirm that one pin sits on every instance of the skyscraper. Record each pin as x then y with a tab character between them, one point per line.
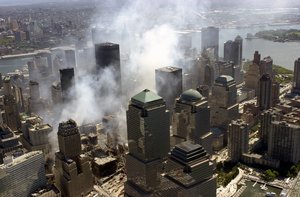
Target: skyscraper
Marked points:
266	119
283	143
296	84
11	115
210	39
73	174
189	173
35	134
191	119
266	66
148	135
34	101
108	56
70	58
233	50
67	81
23	175
238	139
169	84
264	97
223	102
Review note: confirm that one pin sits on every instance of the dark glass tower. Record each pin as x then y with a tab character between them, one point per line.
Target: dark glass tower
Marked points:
108	55
66	80
233	50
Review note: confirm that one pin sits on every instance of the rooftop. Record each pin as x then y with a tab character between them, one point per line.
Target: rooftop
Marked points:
146	96
169	69
191	95
224	79
67	128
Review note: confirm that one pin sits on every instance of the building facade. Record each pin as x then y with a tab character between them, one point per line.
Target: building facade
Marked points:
238	139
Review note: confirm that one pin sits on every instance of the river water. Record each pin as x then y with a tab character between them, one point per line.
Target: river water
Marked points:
283	54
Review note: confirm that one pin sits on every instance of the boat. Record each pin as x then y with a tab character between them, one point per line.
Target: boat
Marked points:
270	194
242	182
254	184
263	187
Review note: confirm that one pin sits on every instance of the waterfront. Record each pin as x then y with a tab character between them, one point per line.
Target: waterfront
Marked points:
256	191
283	54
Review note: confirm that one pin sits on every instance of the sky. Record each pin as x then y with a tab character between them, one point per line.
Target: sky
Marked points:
217	3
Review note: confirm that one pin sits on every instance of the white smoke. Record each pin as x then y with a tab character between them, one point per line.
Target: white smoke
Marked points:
146	32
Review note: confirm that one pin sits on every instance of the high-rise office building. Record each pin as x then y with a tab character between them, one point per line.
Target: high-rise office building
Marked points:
70	58
22	175
283	143
189	172
11	113
266	66
1	80
209	75
67	81
47	54
148	135
264	97
169	84
56	93
256	70
73	174
238	139
253	73
34	101
210	39
266	119
35	134
7	89
233	51
191	119
8	141
223	102
296	82
108	56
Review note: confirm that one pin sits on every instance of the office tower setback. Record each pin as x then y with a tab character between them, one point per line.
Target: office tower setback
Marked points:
189	173
264	97
35	133
238	139
148	135
233	51
283	143
169	84
224	106
191	119
210	39
73	174
67	82
22	175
